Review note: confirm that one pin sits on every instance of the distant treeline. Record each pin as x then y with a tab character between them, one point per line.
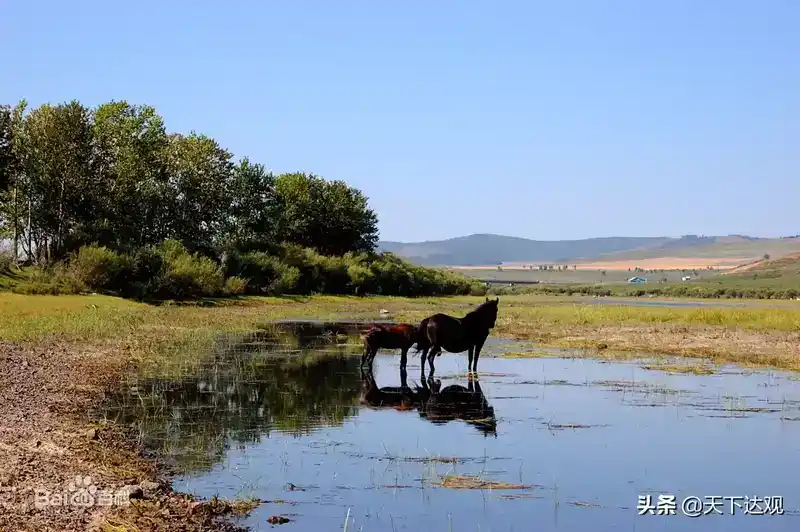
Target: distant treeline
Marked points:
106	199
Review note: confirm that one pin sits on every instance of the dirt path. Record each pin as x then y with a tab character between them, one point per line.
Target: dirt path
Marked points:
47	443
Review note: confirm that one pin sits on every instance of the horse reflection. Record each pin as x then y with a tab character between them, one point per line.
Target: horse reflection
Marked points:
456	402
398	397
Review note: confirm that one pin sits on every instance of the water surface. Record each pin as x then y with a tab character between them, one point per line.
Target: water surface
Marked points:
578	440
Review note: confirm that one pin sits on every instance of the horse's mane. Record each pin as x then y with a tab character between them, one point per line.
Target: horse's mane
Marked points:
480	309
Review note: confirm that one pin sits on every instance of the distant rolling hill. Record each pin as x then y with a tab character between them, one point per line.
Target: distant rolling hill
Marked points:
782	267
488	249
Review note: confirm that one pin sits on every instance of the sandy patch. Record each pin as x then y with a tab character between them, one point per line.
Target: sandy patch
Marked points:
667	263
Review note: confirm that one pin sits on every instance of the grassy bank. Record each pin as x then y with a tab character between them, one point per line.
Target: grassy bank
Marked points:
719	288
758	335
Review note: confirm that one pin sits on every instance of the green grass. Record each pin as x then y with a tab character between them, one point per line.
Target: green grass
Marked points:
97	317
173	338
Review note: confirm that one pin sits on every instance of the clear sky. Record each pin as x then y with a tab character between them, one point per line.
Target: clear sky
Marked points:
543	119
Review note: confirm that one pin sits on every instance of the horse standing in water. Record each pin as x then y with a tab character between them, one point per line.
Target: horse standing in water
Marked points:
402	336
456	335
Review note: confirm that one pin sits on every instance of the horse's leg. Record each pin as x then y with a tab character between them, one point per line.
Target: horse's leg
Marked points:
365	355
372	355
422	358
403	358
435	351
478	348
469	362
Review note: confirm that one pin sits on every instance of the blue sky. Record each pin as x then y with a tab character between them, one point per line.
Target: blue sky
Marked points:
548	120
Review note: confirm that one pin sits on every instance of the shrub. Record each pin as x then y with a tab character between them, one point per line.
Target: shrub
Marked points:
186	275
266	273
54	280
6	260
362	279
144	275
235	285
99	268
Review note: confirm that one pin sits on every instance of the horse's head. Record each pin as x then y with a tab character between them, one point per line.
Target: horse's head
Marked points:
488	312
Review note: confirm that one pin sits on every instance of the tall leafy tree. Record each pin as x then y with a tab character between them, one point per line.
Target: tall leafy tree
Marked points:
351	224
200	175
6	153
54	147
253	215
136	198
330	217
13	183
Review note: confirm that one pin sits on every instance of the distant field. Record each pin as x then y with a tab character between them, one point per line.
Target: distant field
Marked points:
730	248
660	263
766	279
579	275
667	263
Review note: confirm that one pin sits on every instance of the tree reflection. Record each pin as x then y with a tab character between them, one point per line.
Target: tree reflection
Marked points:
249	388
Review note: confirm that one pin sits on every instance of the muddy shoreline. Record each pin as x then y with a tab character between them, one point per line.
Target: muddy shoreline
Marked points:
49	443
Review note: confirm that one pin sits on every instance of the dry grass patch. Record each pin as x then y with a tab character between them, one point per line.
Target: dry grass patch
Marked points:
693	369
476	483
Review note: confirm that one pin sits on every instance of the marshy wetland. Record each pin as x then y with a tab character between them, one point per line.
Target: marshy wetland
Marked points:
541	436
250	411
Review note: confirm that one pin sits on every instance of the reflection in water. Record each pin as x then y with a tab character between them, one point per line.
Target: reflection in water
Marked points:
259	384
586	438
456	402
435	404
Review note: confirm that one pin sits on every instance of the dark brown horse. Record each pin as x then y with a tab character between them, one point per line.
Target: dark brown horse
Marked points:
402	336
456	335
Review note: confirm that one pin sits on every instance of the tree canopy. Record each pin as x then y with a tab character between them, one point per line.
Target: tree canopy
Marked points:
113	175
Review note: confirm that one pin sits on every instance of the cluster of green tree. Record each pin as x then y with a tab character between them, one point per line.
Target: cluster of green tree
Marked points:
704	291
106	199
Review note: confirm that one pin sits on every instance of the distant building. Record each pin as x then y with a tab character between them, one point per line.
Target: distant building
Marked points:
638	280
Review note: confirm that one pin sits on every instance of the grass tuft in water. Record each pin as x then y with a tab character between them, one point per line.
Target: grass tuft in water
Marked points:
477	483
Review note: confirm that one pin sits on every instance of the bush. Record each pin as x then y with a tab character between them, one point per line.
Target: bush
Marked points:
6	260
144	274
54	280
187	275
235	285
99	268
265	274
169	270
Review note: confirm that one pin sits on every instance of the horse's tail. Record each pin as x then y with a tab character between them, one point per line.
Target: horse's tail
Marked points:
422	336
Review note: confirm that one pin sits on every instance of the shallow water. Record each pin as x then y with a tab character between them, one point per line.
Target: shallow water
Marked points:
581	439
